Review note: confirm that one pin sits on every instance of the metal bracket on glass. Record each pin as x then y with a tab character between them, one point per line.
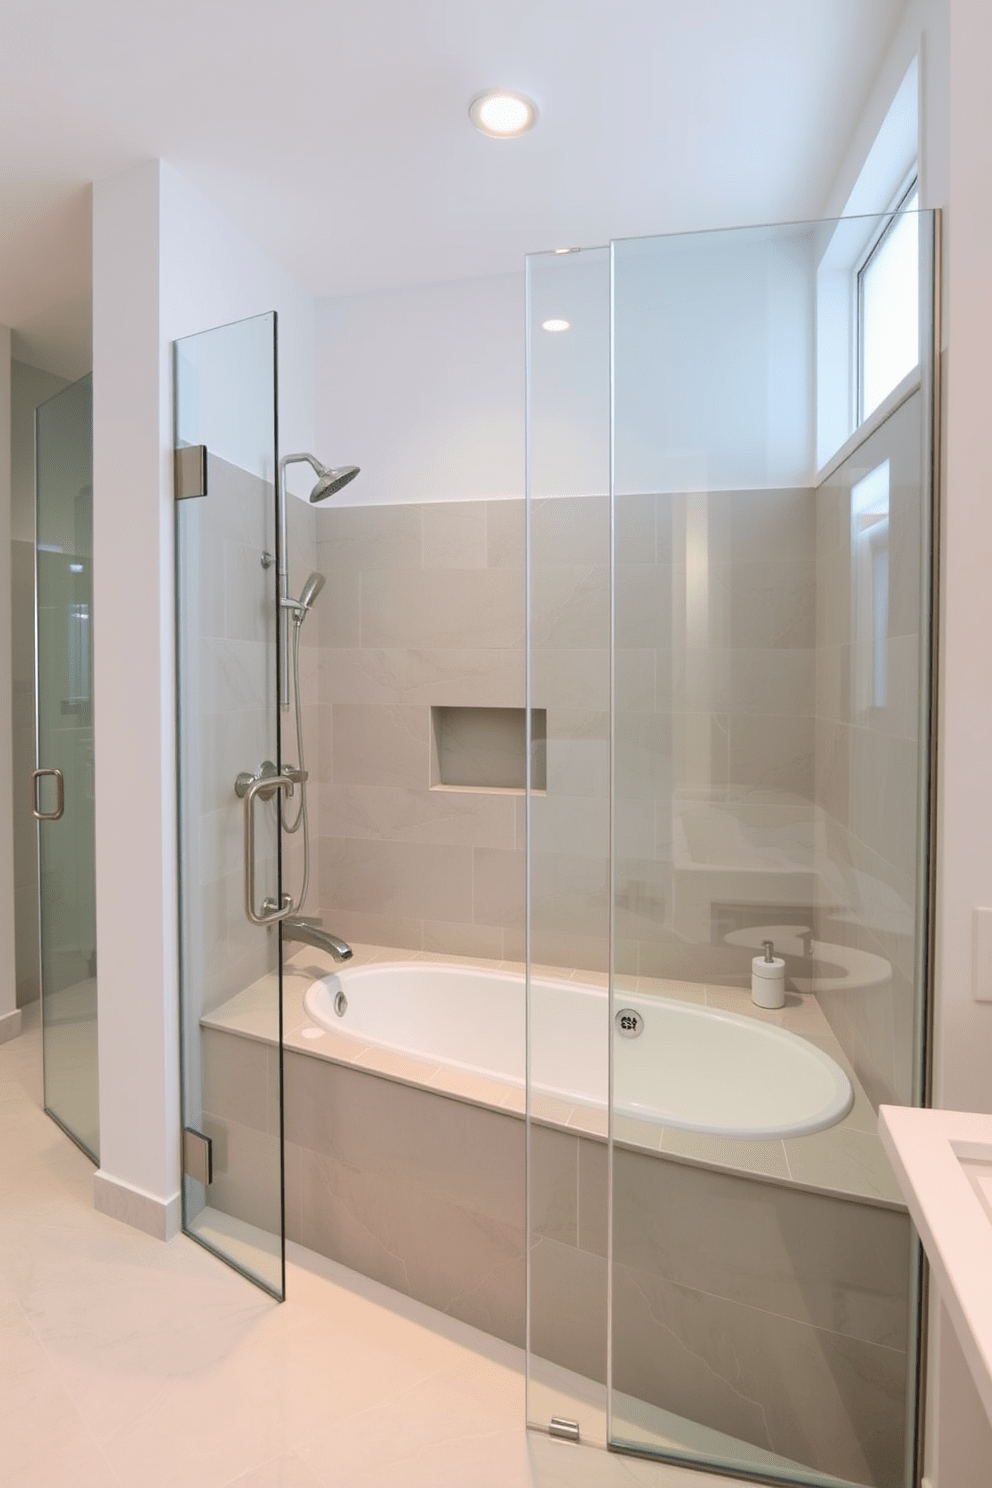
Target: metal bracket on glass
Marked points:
263	785
191	471
564	1429
36	810
198	1156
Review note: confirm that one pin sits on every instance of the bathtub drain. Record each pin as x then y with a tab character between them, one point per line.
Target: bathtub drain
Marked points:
629	1023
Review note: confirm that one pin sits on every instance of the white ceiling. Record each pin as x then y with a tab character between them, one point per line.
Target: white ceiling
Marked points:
335	132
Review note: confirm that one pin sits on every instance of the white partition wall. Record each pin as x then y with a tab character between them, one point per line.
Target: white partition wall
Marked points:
165	264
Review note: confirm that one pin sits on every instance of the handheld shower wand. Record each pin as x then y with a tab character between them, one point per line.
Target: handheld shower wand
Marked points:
328	483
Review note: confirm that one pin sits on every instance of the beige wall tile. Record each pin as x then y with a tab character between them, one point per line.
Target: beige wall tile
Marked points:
821	1260
554	1173
357	539
497	887
568	1307
570	607
235	1078
439	675
247	1172
404	1234
454	938
405	880
751	1373
443	607
570	531
455	534
505	534
361	928
401	813
593	1214
381	746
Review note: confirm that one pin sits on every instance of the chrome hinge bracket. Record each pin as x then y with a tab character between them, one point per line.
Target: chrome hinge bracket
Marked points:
198	1156
191	471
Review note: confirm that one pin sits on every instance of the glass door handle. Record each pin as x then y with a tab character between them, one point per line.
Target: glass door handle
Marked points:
267	785
36	810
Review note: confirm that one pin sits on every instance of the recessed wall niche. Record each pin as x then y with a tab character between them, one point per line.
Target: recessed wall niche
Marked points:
484	749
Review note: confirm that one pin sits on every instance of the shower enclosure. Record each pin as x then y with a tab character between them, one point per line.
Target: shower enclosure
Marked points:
730	571
711	733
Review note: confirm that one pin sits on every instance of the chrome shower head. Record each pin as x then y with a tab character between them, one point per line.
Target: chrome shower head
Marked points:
332	481
311	589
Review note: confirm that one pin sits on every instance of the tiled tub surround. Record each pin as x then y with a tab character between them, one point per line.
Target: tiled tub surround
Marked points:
424	609
760	1287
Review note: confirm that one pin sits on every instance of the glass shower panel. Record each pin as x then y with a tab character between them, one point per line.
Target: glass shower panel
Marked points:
769	804
568	837
229	727
64	599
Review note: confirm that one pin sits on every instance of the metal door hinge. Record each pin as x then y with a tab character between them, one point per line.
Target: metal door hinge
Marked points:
198	1156
191	471
562	1427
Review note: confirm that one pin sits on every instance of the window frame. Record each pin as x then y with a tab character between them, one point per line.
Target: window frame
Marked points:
909	187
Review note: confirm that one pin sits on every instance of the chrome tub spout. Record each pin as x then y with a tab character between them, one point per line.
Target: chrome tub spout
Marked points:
310	933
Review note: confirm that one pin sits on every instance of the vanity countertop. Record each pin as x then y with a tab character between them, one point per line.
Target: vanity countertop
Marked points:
943	1164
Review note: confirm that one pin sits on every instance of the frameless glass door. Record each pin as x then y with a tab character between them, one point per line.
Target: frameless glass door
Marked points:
230	793
63	781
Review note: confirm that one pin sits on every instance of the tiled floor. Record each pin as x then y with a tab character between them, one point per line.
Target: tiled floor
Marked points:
126	1363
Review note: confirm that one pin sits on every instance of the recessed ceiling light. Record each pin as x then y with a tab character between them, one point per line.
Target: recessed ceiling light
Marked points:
503	115
554	325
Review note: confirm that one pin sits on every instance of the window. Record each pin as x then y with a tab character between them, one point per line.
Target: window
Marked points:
888	306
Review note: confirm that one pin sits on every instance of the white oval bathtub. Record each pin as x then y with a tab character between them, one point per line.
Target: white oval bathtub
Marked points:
693	1067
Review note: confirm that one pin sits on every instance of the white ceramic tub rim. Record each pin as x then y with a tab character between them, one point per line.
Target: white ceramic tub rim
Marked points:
719	1043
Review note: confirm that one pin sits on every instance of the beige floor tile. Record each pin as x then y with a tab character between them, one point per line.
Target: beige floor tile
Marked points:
284	1471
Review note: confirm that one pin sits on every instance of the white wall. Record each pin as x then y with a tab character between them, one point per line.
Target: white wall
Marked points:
424	389
165	264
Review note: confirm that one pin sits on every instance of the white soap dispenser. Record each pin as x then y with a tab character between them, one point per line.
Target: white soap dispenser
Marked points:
768	978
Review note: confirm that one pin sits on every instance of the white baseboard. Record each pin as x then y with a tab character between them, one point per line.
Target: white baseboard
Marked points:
133	1206
10	1025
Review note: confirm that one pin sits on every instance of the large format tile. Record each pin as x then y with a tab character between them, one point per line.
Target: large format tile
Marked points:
752	1374
404	1232
443	607
818	1259
381	746
429	881
455	534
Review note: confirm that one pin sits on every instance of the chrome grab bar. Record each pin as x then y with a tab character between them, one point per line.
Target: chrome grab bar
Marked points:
265	786
36	810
